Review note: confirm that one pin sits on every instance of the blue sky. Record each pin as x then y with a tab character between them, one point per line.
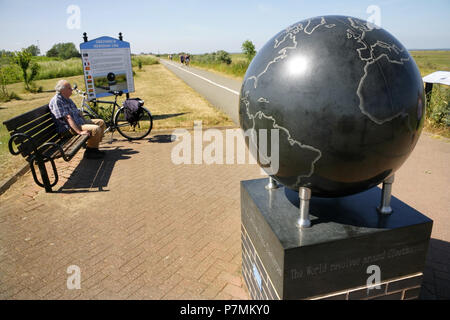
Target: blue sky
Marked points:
199	26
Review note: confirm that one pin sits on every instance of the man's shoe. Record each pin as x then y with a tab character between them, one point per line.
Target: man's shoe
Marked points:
99	151
89	154
95	150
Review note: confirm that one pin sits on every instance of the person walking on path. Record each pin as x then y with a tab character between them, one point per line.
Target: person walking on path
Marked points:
68	119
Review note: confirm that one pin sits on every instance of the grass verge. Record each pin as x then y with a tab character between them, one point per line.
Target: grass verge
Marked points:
235	70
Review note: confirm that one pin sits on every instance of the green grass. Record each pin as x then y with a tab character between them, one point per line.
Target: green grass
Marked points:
145	60
438	110
235	69
431	61
51	69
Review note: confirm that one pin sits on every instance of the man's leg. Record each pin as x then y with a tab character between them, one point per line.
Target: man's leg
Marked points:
101	124
97	128
96	135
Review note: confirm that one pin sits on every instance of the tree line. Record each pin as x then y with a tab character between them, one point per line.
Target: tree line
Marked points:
12	61
60	50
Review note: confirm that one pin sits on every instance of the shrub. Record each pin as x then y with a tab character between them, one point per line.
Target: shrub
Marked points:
23	60
6	72
103	110
438	110
221	61
9	96
145	60
63	51
249	49
34	50
240	67
14	96
223	56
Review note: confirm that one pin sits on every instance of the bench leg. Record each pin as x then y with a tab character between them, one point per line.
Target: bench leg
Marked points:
44	175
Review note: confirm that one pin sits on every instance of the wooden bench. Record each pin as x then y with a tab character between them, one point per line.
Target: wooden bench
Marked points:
35	136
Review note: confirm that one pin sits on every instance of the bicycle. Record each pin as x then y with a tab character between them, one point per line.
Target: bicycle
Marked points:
137	130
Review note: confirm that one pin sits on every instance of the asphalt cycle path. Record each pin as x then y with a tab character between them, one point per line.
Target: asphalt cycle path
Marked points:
220	91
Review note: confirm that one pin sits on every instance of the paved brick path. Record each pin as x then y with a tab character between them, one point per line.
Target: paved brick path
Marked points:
155	230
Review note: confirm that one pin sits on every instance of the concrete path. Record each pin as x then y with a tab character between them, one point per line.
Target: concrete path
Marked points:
137	226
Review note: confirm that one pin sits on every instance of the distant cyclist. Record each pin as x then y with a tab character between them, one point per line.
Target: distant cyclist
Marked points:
187	59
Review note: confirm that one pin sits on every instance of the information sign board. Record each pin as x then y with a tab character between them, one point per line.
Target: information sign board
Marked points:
107	66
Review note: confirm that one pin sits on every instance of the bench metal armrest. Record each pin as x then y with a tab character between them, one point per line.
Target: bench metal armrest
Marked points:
15	136
38	158
43	185
60	149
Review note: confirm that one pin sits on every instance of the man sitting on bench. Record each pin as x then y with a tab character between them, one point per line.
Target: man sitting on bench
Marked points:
68	118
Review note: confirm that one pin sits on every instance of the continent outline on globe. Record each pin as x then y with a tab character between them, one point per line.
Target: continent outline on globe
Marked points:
371	54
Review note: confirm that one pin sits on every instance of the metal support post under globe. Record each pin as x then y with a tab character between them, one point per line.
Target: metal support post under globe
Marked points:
272	184
385	207
304	195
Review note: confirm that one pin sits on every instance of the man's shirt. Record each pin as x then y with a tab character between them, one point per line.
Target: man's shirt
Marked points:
60	107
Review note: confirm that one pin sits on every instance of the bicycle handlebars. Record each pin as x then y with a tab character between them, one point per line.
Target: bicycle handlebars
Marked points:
79	91
116	93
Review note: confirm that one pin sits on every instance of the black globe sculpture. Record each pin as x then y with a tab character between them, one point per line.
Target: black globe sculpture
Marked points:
348	101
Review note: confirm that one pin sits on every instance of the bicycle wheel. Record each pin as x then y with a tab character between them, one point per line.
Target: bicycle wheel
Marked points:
134	132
